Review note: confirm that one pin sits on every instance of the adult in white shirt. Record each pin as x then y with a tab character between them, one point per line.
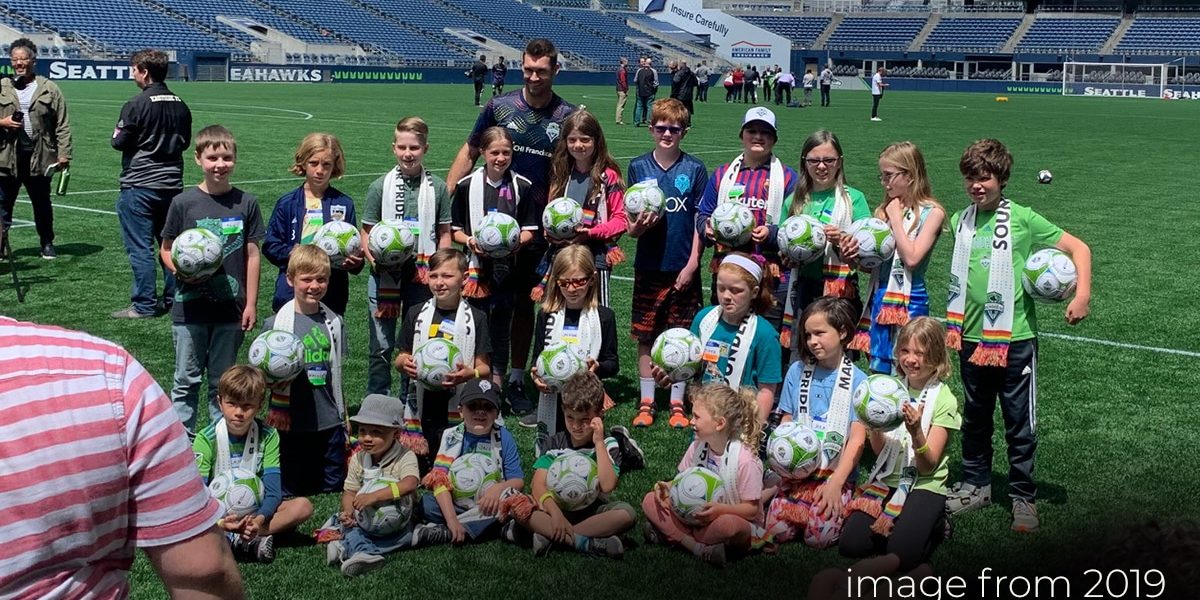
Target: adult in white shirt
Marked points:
877	86
826	82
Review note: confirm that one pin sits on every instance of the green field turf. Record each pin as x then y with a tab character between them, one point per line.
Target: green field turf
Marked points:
1113	406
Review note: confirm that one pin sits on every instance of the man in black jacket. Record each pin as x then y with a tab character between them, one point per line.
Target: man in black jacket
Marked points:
683	85
646	81
478	73
154	129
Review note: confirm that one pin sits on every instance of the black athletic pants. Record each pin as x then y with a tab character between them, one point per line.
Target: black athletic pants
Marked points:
918	531
824	95
1016	387
875	105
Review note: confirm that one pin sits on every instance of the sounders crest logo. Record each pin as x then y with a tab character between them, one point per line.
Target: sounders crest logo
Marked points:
993	307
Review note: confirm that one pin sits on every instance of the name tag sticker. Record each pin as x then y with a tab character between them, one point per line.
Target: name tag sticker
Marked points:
231	225
714	350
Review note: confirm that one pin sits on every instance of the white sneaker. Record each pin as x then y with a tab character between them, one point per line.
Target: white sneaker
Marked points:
333	552
876	119
964	497
361	562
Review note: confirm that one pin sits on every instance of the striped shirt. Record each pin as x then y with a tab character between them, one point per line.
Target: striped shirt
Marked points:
93	459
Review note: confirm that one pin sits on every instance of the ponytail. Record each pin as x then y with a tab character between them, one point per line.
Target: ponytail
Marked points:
739	408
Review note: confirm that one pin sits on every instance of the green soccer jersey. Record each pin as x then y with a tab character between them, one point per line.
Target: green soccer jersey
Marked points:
820	205
205	449
1030	232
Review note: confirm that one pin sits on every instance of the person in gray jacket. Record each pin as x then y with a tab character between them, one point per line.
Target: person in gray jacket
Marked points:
35	140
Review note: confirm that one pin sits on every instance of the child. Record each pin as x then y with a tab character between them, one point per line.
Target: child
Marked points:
666	284
901	510
727	431
992	322
915	217
240	439
490	282
582	169
821	192
446	315
411	193
210	316
765	185
453	520
309	412
819	391
593	529
741	349
301	212
379	455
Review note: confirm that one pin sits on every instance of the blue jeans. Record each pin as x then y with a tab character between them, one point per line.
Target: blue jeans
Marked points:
142	213
641	109
355	540
475	527
201	349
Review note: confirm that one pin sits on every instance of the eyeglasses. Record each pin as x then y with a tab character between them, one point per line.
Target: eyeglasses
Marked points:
828	161
887	177
660	129
574	283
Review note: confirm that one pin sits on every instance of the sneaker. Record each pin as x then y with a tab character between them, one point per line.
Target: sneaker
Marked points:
429	534
1025	517
678	420
653	537
514	392
131	313
333	552
361	562
876	119
48	252
610	547
632	456
645	416
262	548
529	421
541	544
713	555
965	497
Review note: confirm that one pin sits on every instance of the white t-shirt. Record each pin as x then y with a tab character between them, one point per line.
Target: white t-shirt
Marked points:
877	84
25	99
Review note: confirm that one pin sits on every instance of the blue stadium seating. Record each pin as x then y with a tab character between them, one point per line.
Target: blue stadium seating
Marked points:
1148	34
111	23
876	33
970	33
356	23
207	11
1068	34
801	30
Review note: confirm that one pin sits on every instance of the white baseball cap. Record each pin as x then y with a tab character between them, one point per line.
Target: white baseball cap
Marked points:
760	113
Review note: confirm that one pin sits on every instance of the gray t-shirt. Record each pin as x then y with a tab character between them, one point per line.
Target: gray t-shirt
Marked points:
373	211
235	217
313	406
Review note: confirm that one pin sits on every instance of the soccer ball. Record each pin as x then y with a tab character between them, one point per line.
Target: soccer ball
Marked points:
875	242
238	490
278	354
339	240
677	351
732	223
691	489
1049	275
391	243
471	475
498	234
384	519
435	359
561	217
793	450
574	480
878	400
644	196
197	253
1045	176
557	363
801	239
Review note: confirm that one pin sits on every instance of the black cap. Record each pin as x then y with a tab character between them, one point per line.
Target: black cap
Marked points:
479	389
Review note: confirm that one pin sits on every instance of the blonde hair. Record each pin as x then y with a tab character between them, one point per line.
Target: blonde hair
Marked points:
739	408
906	157
765	300
319	142
415	126
242	383
307	259
929	335
575	256
215	136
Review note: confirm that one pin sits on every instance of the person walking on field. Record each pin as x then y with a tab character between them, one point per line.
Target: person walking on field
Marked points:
622	88
826	83
877	87
810	82
646	80
478	74
499	72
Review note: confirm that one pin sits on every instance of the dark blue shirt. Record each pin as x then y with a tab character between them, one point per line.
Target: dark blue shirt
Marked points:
284	231
668	245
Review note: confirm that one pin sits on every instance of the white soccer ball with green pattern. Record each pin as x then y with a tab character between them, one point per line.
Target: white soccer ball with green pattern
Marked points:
1049	276
498	234
340	240
561	217
793	450
574	479
391	243
878	401
801	239
558	362
677	351
197	253
239	491
435	358
732	224
384	519
644	196
691	489
278	354
471	475
876	245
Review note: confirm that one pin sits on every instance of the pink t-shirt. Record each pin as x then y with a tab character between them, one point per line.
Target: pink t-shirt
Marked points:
749	470
92	458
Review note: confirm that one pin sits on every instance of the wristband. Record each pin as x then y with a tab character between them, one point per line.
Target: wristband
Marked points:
923	449
395	489
440	489
476	373
543	497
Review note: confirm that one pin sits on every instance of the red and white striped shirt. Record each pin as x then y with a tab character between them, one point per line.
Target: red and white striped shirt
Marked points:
93	463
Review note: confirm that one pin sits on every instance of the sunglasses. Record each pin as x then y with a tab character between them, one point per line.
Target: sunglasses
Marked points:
574	283
673	129
827	161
